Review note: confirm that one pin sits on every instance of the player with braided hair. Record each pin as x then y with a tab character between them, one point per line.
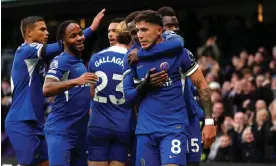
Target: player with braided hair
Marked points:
69	81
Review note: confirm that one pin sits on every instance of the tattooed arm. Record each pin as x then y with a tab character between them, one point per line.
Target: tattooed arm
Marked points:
208	135
204	92
191	70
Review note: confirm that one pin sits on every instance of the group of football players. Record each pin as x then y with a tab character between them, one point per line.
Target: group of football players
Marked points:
141	91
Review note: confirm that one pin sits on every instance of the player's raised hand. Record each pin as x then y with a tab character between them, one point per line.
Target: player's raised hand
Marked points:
87	78
97	20
208	135
133	57
157	79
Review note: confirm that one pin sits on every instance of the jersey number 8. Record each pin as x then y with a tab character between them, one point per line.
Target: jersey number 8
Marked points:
176	149
112	98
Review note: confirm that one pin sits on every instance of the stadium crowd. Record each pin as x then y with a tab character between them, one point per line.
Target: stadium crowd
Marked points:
239	63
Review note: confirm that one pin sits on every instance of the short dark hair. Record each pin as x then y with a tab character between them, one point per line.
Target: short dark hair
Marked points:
149	16
117	20
166	11
131	17
29	22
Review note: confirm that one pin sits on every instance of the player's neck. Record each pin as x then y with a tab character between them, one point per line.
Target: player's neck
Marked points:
123	45
28	41
73	53
159	40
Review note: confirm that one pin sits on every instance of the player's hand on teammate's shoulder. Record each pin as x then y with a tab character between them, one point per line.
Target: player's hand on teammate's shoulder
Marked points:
208	133
157	79
133	57
86	78
97	20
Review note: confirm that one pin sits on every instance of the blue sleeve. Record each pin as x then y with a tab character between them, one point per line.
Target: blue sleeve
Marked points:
91	65
188	63
87	32
173	44
44	51
130	91
57	69
191	86
34	50
171	35
125	63
50	51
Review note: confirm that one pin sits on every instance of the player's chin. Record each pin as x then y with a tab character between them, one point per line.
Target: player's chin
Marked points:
80	47
44	41
112	42
145	45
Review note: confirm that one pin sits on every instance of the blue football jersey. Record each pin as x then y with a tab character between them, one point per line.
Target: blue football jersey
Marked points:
26	83
70	109
191	97
109	107
164	110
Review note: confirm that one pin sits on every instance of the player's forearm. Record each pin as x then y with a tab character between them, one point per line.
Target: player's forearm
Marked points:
55	88
130	91
204	92
131	95
206	102
168	47
92	90
87	32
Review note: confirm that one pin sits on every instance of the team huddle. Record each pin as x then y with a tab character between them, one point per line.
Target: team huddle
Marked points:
141	92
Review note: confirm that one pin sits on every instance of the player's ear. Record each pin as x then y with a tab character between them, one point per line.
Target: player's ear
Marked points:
28	32
159	30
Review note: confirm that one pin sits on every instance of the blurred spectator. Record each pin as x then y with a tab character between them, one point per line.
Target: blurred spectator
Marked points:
260	130
273	86
225	150
5	101
210	48
218	114
249	149
6	61
216	96
6	149
274	52
271	137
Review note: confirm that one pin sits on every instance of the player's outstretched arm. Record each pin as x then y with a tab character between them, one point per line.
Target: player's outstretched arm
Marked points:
95	24
49	51
53	86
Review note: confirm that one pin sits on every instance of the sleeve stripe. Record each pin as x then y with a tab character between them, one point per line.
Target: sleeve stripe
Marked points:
192	70
136	81
39	51
53	77
126	73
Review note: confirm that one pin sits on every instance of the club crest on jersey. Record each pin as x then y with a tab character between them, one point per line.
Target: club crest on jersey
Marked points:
164	66
191	56
143	162
54	64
